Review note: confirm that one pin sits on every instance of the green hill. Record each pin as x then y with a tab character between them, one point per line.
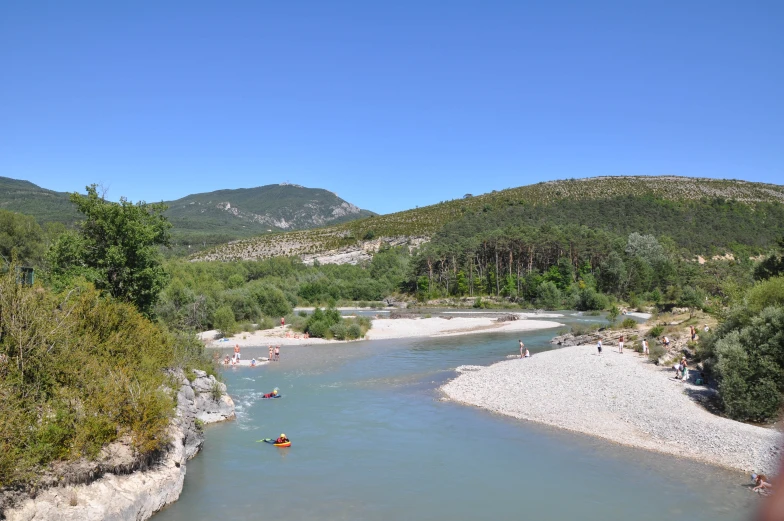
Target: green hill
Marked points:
252	211
208	218
718	213
30	199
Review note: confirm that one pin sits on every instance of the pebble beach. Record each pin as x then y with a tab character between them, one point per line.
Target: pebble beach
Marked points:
619	397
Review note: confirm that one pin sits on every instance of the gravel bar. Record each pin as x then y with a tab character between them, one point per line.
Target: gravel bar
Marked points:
618	397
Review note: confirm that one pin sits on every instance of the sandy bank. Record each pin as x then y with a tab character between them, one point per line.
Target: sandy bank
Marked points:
436	326
619	397
382	329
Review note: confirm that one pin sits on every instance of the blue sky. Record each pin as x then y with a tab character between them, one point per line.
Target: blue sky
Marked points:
389	104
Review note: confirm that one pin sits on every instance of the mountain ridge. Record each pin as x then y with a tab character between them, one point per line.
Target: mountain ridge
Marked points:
355	241
217	216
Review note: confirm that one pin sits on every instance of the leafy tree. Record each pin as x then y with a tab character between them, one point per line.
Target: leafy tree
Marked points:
645	247
750	367
20	237
692	298
612	314
224	321
116	248
549	295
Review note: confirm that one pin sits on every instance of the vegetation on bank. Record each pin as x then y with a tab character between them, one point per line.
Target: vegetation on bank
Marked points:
81	362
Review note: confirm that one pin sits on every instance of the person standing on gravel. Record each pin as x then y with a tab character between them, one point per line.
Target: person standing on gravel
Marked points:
599	346
645	346
620	344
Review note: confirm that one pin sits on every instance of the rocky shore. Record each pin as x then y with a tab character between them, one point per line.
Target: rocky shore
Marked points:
620	397
119	486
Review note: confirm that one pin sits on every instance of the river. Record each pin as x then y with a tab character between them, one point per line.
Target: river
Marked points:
371	440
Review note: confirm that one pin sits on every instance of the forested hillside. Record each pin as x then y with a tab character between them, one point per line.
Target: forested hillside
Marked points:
701	215
204	219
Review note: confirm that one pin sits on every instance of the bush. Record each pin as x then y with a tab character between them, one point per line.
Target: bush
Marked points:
223	320
354	332
750	367
318	329
629	323
266	323
588	299
339	331
549	296
656	331
655	351
94	372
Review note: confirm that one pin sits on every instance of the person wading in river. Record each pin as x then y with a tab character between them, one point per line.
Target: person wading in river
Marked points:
522	345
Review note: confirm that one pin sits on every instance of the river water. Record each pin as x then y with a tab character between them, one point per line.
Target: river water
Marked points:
372	441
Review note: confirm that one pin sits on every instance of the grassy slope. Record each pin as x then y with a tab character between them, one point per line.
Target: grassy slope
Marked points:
424	222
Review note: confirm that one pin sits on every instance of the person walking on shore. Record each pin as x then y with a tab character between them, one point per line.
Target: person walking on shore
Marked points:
277	353
693	333
645	346
599	346
522	345
620	345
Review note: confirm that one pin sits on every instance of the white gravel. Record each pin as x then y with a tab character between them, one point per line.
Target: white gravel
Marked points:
619	397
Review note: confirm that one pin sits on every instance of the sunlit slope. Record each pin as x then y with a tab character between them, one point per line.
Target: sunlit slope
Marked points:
421	223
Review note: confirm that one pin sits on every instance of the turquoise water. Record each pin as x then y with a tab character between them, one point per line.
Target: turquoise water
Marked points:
372	441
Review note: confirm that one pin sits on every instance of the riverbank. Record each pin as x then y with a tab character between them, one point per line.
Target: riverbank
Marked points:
619	397
382	329
119	487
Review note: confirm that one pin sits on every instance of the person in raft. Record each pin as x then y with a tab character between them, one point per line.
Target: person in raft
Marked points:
273	394
253	362
282	439
599	346
522	346
620	344
761	481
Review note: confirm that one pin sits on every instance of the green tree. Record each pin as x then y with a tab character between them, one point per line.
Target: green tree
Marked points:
116	248
613	314
750	367
20	236
223	320
691	298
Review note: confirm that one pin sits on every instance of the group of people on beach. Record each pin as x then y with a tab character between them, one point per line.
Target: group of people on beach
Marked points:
274	356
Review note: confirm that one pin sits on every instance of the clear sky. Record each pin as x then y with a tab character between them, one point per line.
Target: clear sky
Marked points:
390	104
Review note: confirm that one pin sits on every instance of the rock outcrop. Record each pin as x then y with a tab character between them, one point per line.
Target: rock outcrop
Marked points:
113	495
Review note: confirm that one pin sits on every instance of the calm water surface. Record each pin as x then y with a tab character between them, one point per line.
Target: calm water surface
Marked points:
372	441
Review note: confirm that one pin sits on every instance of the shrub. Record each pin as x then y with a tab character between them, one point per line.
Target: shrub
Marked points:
354	332
223	320
750	365
629	323
656	331
588	299
318	329
656	351
339	331
303	313
266	323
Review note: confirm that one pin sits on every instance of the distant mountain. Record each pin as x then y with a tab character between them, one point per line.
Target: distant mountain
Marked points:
252	211
700	214
207	218
45	205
